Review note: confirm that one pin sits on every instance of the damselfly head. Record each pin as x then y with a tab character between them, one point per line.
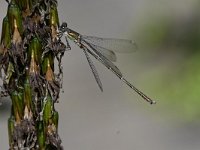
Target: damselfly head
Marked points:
63	27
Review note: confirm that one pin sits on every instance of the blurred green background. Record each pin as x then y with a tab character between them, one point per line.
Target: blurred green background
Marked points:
170	35
165	67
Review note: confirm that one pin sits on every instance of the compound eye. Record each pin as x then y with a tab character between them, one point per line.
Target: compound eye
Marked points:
64	25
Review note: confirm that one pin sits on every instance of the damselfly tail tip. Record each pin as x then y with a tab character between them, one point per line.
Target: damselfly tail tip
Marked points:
153	102
149	100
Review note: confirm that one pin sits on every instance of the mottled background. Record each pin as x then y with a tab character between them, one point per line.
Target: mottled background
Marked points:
166	67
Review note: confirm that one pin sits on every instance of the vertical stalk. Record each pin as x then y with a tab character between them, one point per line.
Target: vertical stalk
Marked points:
28	48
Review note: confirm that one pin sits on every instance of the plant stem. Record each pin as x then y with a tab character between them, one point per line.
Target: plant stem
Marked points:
28	49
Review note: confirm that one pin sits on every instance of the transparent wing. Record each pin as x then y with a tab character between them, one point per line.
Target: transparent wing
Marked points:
106	62
116	45
107	53
94	71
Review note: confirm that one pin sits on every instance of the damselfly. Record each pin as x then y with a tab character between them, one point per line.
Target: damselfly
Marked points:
103	49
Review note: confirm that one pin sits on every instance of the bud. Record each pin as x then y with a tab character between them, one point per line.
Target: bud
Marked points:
35	50
48	67
18	105
28	95
48	109
34	55
5	35
54	20
11	126
48	61
41	135
15	17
